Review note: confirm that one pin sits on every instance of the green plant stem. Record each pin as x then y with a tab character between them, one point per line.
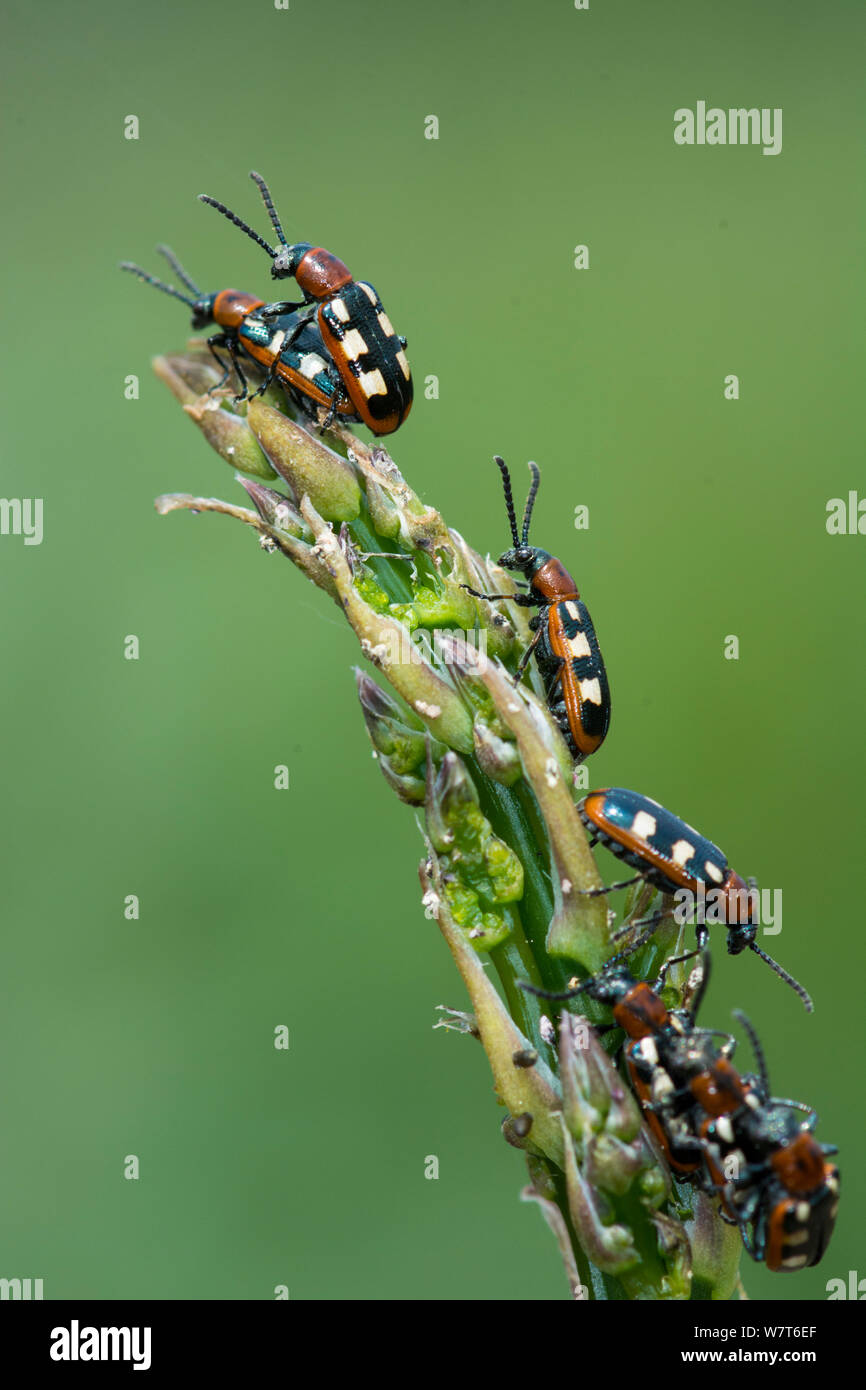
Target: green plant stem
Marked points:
392	575
615	1197
514	961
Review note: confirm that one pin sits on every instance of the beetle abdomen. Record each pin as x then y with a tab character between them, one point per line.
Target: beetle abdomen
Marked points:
369	356
580	675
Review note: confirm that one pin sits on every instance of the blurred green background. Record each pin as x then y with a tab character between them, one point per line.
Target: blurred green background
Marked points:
154	777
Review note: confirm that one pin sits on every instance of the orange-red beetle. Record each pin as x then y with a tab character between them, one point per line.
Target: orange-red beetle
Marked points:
565	645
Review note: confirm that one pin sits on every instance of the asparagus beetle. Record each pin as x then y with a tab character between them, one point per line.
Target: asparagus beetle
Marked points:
565	645
671	855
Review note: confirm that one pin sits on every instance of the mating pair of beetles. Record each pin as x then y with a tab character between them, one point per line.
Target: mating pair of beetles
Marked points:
334	350
720	1129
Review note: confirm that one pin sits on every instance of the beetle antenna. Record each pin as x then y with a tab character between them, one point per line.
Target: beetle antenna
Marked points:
530	501
783	974
755	1043
238	222
157	284
269	204
178	269
554	994
509	499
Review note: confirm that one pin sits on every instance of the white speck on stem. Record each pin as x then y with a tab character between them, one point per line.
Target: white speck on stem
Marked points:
378	654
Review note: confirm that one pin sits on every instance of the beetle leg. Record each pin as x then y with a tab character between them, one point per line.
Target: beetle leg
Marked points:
287	342
270	377
298	328
268	381
611	888
245	390
693	1005
278	308
273	311
524	660
215	341
337	399
811	1115
221	340
554	682
648	923
523	600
